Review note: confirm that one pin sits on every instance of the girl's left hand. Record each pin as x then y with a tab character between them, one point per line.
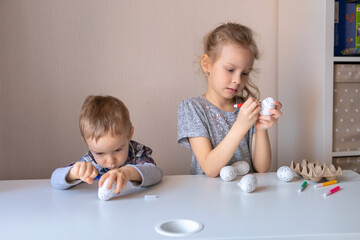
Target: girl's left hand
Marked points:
265	122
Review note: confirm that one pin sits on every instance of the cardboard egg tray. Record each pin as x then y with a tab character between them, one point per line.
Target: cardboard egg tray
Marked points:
315	171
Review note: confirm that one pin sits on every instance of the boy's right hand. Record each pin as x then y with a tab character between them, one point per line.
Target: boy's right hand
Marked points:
84	171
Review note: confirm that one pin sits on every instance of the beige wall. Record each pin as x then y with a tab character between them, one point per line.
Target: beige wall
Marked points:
55	53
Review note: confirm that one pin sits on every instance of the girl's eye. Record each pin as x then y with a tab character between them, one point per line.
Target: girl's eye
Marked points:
118	150
246	74
229	69
99	154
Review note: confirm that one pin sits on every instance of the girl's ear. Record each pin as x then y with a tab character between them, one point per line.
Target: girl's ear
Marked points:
205	64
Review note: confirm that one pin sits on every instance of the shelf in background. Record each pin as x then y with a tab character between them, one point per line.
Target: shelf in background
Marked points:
346	154
347	59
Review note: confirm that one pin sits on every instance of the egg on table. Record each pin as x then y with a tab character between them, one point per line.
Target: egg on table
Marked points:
228	173
242	167
285	174
248	183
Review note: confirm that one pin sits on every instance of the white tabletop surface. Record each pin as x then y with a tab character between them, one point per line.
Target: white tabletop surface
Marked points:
32	209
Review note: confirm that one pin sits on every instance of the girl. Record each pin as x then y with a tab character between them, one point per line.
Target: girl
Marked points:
216	132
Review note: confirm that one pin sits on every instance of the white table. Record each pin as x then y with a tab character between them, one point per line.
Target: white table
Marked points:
32	209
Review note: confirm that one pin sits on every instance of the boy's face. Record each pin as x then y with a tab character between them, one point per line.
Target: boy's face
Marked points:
110	151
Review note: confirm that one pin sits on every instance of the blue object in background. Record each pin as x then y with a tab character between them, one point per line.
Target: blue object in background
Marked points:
344	26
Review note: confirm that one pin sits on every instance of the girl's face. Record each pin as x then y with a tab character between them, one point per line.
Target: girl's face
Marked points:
230	72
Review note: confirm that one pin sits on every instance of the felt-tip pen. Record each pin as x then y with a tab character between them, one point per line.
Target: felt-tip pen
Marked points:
332	191
325	184
303	186
238	105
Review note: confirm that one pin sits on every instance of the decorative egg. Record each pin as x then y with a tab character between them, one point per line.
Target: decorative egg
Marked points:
248	183
285	174
266	105
104	193
242	167
228	173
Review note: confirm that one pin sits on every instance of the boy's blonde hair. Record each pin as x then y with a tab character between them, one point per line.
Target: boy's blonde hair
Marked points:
102	114
233	33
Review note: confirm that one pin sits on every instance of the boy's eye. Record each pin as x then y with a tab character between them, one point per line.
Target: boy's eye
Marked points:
229	69
118	150
99	154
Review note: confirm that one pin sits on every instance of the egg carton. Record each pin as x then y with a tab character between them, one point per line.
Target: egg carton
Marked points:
315	171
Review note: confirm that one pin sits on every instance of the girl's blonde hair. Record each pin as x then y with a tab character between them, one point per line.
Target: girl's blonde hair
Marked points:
102	114
233	33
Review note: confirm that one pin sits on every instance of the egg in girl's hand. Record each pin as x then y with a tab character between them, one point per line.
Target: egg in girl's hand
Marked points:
266	105
228	173
285	174
248	183
241	167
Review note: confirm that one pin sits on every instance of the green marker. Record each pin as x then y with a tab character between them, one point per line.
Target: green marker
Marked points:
303	186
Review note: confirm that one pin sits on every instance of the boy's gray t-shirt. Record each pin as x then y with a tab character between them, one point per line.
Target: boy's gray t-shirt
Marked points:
197	117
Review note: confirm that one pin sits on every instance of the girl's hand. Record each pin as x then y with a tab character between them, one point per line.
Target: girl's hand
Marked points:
249	113
265	122
84	171
120	176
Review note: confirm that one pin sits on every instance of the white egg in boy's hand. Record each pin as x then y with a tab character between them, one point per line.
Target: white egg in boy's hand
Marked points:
228	173
266	105
106	194
242	167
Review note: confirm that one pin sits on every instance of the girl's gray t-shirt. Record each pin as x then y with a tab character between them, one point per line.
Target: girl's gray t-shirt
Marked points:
197	117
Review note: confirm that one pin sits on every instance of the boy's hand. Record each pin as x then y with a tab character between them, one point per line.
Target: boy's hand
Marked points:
265	122
120	176
84	171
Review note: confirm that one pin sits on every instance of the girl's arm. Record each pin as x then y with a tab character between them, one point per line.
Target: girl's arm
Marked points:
261	150
211	159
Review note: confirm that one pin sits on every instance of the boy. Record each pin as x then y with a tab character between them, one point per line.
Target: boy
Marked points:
107	130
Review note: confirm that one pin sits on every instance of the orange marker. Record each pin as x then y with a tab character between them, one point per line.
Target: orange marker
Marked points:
325	184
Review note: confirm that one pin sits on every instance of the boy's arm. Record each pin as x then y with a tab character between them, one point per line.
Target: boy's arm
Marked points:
58	178
150	174
145	165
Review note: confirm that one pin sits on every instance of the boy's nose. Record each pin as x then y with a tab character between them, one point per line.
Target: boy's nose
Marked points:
112	159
